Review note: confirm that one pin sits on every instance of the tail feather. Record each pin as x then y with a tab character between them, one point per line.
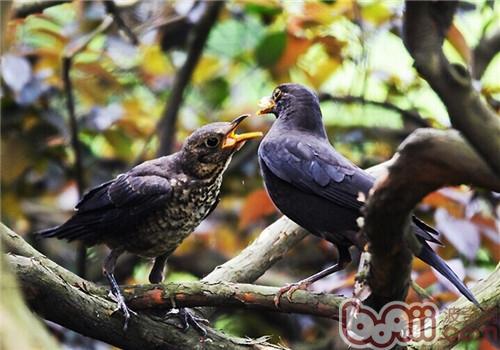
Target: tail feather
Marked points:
431	258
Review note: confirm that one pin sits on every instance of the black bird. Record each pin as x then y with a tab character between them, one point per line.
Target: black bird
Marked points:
318	188
149	210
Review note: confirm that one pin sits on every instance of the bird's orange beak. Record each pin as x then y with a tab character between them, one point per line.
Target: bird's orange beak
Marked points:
267	105
232	139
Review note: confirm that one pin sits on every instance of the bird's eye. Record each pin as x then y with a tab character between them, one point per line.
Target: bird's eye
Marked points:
276	94
212	142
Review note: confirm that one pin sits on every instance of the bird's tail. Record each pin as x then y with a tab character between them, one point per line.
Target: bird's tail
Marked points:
431	258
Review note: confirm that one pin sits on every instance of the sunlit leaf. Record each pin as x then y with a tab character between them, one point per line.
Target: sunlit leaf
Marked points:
295	46
206	69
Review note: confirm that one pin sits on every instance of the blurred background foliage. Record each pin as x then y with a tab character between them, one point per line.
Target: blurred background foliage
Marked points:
349	50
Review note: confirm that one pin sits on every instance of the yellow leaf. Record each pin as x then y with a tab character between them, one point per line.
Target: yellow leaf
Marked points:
207	68
322	72
154	61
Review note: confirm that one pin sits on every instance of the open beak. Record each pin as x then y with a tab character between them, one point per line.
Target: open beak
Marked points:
232	139
267	105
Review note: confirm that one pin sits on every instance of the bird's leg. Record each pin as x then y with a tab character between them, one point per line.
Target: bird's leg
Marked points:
289	289
188	319
108	269
156	274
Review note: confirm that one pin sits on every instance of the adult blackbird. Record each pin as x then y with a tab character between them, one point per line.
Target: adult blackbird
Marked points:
317	187
150	209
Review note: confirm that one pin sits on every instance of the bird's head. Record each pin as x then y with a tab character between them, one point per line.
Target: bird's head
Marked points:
208	150
294	105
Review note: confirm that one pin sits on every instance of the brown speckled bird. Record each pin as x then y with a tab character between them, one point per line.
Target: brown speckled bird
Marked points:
152	208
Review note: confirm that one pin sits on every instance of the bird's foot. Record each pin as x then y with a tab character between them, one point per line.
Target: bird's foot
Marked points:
188	319
122	306
289	289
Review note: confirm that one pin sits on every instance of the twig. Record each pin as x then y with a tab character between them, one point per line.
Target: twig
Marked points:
409	115
166	125
25	10
113	10
425	26
431	159
70	51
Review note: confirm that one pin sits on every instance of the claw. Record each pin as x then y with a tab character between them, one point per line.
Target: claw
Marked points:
289	289
122	306
188	319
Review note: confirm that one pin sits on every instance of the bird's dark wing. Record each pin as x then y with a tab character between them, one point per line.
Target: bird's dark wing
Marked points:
114	206
316	168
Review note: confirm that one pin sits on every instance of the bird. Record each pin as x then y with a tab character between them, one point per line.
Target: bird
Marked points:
152	208
318	188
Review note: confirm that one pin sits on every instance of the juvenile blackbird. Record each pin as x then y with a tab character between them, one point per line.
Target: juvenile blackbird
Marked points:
150	209
318	188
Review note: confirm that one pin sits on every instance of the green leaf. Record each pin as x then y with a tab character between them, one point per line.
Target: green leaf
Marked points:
215	91
270	49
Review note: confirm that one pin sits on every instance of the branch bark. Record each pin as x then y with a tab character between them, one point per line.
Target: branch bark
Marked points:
425	26
431	159
166	125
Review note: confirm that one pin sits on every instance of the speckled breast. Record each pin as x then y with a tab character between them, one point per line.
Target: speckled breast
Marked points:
165	229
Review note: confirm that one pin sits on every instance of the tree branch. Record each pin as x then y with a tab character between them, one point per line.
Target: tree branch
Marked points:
26	9
166	125
461	320
271	245
62	297
484	52
431	159
34	272
114	11
425	26
409	115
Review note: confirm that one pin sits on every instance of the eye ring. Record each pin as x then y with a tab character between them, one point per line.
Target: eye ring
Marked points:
277	94
212	142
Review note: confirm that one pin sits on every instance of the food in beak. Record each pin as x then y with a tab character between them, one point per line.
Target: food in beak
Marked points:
237	140
267	105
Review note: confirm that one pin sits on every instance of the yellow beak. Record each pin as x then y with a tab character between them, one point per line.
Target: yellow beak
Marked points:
267	105
237	140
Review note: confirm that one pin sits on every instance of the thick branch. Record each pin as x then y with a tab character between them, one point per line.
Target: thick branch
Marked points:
431	159
34	273
166	126
425	25
463	321
409	115
62	297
